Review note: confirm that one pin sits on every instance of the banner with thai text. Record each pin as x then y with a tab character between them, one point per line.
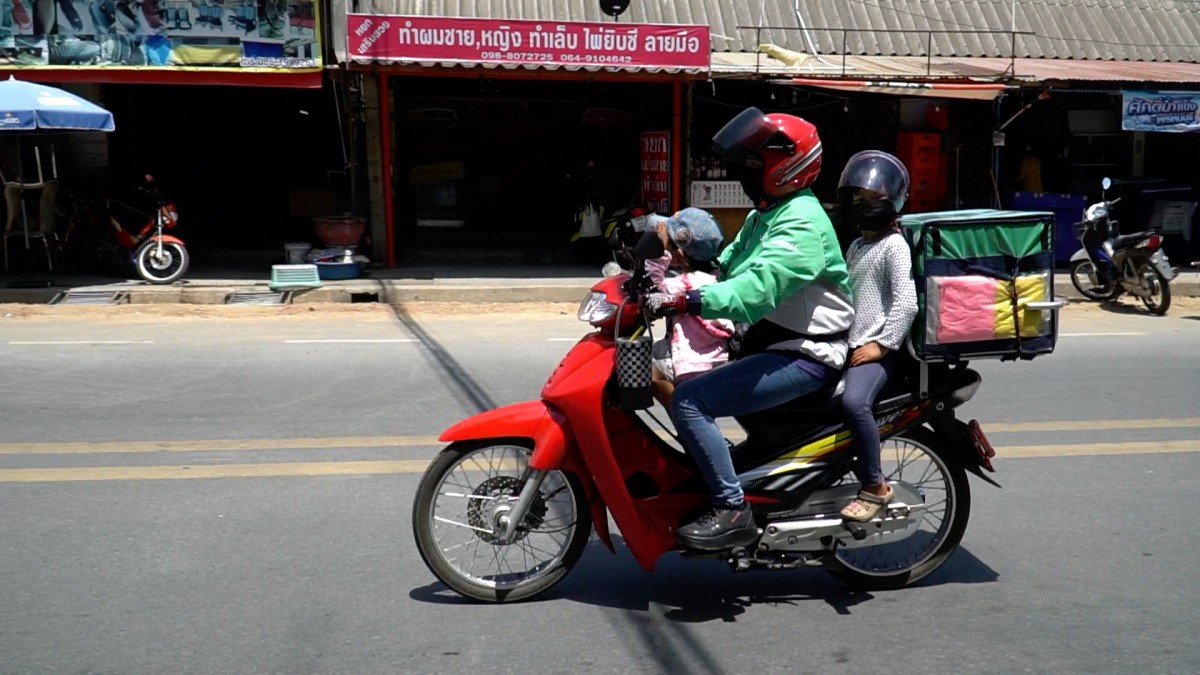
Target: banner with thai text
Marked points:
423	39
1175	111
656	171
259	35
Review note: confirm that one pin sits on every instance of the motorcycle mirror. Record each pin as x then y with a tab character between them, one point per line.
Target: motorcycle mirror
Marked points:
1106	183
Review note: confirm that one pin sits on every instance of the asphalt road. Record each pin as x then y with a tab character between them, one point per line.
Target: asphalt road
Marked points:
234	496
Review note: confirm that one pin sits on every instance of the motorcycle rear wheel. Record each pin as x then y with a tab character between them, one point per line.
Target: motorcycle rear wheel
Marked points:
1157	283
485	477
853	567
1083	274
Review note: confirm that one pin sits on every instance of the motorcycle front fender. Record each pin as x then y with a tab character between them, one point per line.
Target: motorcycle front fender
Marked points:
1079	255
553	445
166	239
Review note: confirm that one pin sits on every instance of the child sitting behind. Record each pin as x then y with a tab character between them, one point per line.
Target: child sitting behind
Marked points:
692	240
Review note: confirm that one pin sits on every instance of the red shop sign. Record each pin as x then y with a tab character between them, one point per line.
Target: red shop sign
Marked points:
656	171
407	39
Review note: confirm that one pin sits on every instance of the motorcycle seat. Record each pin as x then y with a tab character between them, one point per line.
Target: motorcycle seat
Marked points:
1126	240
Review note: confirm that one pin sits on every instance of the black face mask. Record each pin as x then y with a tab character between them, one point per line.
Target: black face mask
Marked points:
868	215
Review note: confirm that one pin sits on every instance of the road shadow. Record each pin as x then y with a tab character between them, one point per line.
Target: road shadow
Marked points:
1191	318
700	591
462	385
1118	307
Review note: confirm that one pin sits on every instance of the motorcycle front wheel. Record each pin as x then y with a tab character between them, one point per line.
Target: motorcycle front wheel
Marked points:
458	528
1083	277
925	461
161	267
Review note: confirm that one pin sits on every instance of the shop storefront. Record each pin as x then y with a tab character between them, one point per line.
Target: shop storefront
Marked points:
941	132
1060	142
226	104
497	133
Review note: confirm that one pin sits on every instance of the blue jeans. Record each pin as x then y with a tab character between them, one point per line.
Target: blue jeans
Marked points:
863	384
748	385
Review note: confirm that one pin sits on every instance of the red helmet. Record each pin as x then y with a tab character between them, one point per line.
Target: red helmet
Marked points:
783	152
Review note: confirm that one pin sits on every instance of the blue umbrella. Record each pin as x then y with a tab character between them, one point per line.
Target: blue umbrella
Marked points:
26	106
30	107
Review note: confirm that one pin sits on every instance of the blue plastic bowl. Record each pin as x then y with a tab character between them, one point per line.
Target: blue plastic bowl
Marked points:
332	271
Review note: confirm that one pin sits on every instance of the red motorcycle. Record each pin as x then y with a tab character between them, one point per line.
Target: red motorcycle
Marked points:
158	257
507	508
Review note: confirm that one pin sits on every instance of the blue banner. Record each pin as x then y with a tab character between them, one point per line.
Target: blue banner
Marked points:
1177	111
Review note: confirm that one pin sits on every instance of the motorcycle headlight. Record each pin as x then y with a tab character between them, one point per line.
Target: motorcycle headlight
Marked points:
596	309
1096	212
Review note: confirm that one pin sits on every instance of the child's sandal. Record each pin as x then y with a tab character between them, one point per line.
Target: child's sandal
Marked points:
867	505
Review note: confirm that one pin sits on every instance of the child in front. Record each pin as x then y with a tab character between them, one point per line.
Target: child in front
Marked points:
691	239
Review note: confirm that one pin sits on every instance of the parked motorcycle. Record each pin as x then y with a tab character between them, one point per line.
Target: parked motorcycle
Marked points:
158	257
1137	263
507	508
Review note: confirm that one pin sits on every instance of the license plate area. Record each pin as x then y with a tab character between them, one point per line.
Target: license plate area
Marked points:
982	447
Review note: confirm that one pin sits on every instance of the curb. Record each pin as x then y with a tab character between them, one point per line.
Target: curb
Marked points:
479	292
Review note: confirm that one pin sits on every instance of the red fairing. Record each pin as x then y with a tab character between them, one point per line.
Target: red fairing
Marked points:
614	447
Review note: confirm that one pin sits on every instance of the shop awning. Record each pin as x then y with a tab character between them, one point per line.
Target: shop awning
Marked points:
1067	70
503	44
970	91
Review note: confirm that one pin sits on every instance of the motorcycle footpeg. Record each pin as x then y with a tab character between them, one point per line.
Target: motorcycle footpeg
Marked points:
856	530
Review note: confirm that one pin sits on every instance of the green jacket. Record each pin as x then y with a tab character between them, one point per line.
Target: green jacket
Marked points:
786	266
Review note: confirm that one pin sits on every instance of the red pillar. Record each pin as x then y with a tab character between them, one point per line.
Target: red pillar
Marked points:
385	134
676	145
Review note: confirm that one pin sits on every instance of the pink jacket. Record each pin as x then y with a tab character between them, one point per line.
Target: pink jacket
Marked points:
697	345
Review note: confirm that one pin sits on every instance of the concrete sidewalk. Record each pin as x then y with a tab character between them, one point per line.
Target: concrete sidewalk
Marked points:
507	284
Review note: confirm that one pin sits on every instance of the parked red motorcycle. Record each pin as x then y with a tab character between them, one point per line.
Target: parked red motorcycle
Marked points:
158	257
506	509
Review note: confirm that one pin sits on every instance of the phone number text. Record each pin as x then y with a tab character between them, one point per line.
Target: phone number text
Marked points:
551	58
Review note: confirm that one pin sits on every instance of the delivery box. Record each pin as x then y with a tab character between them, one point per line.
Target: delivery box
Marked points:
985	284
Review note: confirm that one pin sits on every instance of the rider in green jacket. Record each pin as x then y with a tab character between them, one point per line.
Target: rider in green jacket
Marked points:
785	275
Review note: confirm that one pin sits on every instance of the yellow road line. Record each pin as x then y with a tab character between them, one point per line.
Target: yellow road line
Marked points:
413	466
1071	450
1088	425
242	444
84	447
94	473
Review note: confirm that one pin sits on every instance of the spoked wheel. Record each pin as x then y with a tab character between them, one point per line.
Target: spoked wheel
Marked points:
922	460
161	267
1083	277
460	515
1159	300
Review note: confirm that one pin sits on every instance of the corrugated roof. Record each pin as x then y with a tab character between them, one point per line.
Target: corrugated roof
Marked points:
967	69
1137	30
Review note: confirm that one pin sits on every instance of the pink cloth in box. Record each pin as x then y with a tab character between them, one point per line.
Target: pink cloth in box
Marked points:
966	309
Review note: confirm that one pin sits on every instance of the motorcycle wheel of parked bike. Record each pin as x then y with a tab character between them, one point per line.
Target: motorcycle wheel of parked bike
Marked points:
1083	277
924	460
461	503
164	267
1159	300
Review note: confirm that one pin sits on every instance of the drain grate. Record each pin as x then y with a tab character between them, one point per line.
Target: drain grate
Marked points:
89	298
259	298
